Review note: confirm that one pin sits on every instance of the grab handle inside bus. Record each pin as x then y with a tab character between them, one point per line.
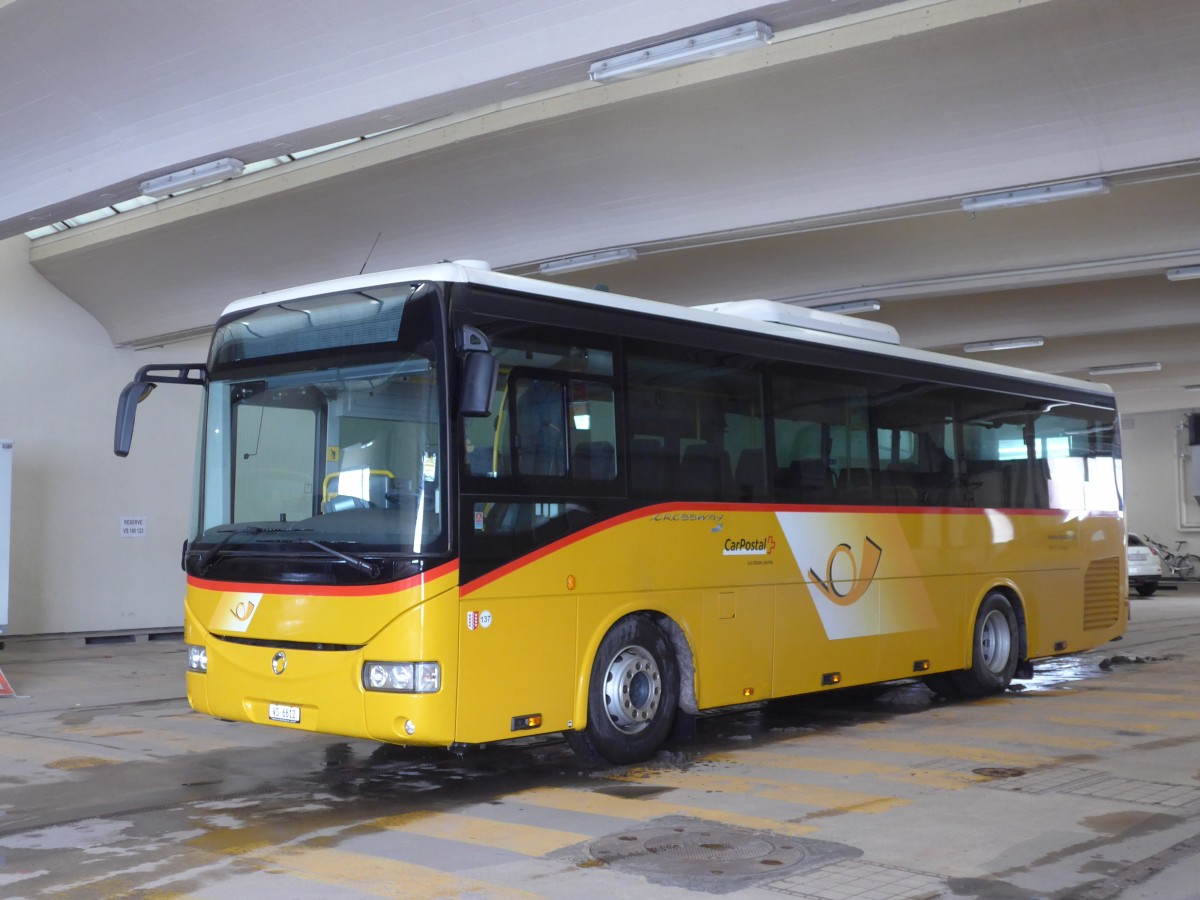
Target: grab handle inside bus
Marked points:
146	380
479	373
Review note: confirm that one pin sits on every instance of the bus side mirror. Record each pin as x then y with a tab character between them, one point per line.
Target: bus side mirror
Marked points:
480	371
133	394
147	378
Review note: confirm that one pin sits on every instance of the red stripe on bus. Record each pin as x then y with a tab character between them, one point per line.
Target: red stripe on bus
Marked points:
321	590
484	580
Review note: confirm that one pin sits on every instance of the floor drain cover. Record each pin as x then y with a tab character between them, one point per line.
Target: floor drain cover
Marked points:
681	848
999	772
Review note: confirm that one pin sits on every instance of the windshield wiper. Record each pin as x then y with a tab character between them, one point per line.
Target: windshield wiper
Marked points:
355	562
204	563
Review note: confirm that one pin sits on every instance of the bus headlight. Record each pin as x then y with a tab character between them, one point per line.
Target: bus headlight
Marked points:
197	658
402	677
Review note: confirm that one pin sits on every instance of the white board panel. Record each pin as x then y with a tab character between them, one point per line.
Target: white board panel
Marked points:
5	526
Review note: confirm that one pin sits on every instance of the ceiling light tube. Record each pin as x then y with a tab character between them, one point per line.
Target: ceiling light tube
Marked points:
587	261
1043	194
1187	273
1127	369
197	176
1004	344
849	307
709	45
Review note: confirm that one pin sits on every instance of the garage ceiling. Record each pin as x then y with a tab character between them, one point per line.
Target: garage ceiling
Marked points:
827	166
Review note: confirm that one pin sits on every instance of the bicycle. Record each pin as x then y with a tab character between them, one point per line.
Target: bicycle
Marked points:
1184	566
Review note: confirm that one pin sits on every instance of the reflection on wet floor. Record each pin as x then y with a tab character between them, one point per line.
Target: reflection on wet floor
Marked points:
388	771
1059	672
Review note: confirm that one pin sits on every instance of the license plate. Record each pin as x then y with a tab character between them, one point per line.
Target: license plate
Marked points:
279	712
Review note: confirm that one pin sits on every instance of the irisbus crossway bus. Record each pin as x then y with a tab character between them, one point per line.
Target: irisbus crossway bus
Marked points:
445	506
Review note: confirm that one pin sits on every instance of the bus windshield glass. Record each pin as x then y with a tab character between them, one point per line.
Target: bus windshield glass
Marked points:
321	441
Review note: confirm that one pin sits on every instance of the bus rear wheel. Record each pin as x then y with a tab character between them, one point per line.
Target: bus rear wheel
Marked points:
996	645
632	695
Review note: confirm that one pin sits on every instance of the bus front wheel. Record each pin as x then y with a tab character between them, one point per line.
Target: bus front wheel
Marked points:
995	652
632	696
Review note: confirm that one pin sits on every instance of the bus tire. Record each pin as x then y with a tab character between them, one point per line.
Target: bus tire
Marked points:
633	695
995	653
1145	590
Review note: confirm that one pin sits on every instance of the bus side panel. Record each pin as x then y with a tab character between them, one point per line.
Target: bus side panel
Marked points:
735	645
902	652
517	658
803	652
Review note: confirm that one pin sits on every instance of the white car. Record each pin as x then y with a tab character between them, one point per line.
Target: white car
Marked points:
1145	568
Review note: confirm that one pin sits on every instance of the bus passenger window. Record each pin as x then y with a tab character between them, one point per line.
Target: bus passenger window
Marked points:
694	416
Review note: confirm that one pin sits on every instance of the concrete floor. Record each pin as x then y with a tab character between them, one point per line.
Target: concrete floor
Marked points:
1085	785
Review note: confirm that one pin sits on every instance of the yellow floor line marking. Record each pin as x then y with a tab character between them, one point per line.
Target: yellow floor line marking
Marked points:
224	842
960	751
830	800
378	876
855	767
47	751
597	804
70	763
1030	737
528	840
1117	709
100	731
1105	722
158	738
790	791
1145	696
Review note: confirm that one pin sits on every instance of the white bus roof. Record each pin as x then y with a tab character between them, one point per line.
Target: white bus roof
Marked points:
754	316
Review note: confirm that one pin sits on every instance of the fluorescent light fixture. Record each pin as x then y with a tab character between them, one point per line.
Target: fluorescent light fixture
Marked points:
1043	194
587	261
709	45
849	307
197	176
1185	274
1128	369
1004	344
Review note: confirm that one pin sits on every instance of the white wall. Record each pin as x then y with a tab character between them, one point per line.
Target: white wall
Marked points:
1152	443
71	570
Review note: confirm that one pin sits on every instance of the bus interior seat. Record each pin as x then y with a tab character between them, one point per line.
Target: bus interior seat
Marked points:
705	470
543	455
595	461
854	485
651	469
1028	481
750	476
809	480
899	485
987	485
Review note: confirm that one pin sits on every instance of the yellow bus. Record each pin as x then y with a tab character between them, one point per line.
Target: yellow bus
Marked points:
446	506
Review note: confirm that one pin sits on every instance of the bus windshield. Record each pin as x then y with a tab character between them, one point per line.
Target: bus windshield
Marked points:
321	441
